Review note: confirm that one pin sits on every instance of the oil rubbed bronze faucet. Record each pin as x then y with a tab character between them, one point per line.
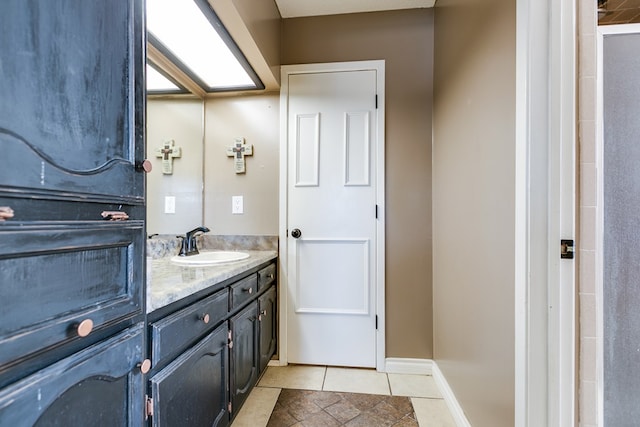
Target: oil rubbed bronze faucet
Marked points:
189	245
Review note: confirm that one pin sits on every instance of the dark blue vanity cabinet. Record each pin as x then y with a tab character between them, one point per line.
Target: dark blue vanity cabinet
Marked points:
72	107
208	350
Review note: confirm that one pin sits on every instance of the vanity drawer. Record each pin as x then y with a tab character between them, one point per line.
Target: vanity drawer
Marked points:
243	291
172	334
266	276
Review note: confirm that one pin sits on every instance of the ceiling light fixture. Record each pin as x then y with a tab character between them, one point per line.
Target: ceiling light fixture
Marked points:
190	34
157	82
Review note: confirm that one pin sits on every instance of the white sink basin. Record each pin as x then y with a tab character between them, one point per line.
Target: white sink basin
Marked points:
204	259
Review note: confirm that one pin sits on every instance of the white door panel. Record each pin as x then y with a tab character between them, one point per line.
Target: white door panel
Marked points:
318	285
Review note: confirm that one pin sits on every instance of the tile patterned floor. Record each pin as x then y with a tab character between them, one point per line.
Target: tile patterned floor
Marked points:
312	408
304	396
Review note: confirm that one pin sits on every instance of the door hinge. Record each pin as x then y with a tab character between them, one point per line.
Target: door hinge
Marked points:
148	407
230	340
376	101
230	407
567	248
376	322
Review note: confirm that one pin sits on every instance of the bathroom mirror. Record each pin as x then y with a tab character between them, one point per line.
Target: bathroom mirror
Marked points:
175	145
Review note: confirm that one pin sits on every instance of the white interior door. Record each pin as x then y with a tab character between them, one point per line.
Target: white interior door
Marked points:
331	218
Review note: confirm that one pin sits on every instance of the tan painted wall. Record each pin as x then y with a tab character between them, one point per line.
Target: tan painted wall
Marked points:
256	118
263	21
473	200
180	120
404	39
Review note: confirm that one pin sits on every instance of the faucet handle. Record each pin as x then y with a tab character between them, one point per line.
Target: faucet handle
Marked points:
183	245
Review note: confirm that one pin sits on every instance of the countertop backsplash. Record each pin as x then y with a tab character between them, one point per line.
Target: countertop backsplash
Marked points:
238	243
167	245
162	246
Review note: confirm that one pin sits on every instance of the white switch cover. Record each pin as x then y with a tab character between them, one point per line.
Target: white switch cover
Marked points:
237	205
169	204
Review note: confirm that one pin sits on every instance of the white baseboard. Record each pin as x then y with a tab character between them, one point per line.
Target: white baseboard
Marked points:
396	365
454	407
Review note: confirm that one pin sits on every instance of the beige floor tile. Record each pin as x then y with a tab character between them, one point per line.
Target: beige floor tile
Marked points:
432	412
356	381
294	376
257	408
414	386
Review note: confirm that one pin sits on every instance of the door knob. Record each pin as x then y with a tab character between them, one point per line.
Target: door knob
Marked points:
296	233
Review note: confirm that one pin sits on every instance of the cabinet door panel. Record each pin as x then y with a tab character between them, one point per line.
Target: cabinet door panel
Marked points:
193	389
100	386
244	354
56	276
71	116
267	317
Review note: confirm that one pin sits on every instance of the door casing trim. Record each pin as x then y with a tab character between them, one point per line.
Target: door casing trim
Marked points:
545	310
286	70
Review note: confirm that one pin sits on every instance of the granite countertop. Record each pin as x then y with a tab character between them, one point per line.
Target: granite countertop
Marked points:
170	282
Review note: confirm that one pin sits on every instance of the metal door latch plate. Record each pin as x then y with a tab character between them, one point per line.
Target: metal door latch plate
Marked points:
566	249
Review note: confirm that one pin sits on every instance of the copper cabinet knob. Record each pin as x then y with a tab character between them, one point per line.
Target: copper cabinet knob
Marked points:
205	318
114	215
5	213
85	327
145	366
144	166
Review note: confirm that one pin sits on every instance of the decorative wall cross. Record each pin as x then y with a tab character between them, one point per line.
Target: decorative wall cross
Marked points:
238	151
168	152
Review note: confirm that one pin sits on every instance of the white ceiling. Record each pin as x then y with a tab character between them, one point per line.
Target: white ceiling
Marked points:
297	8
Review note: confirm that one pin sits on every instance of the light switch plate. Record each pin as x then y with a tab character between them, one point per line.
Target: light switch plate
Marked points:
169	204
237	205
